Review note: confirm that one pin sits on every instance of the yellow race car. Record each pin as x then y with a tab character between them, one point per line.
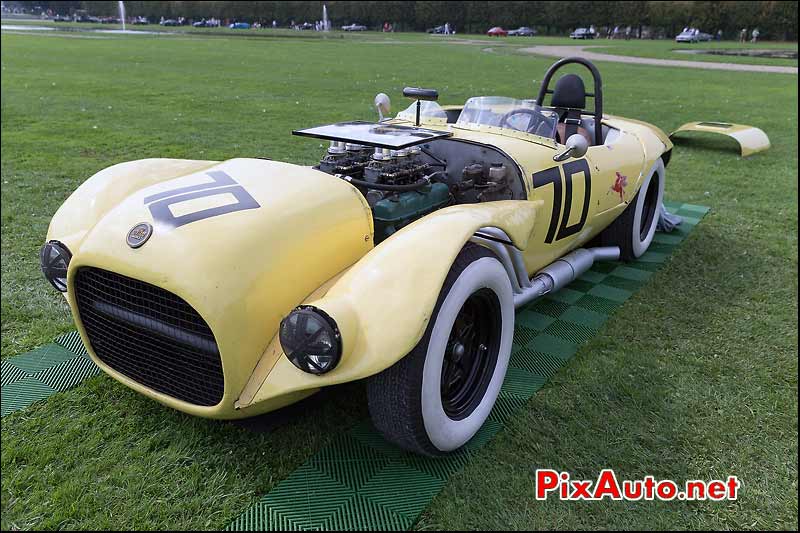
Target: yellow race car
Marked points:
229	289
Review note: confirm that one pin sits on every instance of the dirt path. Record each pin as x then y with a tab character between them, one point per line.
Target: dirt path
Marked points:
580	51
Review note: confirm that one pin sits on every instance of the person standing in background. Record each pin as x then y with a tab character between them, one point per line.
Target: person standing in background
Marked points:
755	34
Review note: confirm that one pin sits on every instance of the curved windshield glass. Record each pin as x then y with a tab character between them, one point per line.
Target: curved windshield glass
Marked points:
430	111
509	113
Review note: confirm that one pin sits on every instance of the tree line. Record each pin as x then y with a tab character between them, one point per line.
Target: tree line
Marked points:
775	20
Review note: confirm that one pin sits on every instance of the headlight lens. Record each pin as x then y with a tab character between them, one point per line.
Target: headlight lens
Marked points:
54	258
311	340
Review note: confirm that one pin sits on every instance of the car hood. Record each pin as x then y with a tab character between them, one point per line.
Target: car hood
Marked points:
242	241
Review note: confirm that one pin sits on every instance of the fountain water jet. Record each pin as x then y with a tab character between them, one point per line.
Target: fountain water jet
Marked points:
121	8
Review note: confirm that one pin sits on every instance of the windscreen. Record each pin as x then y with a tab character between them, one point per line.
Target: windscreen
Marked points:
429	111
508	113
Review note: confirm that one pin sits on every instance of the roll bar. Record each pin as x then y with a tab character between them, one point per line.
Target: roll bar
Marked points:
544	90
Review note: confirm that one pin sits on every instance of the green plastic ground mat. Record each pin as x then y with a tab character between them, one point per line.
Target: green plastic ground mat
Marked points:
38	374
362	482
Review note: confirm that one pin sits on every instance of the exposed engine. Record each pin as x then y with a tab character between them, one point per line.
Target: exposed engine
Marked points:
404	185
398	184
482	183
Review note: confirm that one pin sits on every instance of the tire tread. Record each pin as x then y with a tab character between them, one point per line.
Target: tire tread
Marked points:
393	395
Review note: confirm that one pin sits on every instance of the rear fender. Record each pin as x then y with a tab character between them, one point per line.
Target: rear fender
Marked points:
383	304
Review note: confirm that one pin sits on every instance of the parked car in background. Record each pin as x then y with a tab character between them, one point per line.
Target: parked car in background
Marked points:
497	31
522	31
62	18
109	20
140	20
354	27
87	18
239	26
208	23
170	22
582	33
692	35
437	29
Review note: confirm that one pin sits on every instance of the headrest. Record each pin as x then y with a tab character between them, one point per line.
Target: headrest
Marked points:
569	92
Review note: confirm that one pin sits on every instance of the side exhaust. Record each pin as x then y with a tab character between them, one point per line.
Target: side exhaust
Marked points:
553	277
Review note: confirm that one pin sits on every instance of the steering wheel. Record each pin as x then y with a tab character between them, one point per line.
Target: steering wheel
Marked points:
540	118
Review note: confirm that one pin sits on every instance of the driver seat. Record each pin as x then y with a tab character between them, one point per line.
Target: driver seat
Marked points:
569	99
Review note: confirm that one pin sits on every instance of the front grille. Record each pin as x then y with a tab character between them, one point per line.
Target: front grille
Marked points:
149	335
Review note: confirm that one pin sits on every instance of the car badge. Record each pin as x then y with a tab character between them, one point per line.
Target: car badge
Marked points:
139	234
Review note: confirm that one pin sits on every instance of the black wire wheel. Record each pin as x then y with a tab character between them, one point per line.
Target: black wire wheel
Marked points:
634	229
471	354
437	397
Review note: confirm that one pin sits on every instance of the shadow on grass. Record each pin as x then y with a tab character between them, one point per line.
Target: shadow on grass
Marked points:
308	408
707	142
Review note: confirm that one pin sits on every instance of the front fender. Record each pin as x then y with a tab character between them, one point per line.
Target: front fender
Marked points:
384	302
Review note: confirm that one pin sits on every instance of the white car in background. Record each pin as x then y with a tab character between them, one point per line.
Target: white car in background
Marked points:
692	36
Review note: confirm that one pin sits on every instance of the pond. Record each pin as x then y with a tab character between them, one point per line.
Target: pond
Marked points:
746	52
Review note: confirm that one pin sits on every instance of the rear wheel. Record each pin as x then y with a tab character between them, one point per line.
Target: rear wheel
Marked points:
437	397
634	229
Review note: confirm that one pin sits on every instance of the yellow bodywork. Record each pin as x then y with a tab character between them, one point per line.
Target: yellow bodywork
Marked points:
382	304
751	139
311	241
242	272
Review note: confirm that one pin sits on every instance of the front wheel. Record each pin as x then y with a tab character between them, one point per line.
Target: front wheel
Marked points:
437	397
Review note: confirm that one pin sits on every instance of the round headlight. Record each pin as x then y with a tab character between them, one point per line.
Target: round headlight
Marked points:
54	258
311	340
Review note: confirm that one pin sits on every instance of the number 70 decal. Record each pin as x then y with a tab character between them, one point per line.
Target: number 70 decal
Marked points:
553	176
221	184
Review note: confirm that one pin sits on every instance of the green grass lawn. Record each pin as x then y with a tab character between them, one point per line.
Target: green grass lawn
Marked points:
694	377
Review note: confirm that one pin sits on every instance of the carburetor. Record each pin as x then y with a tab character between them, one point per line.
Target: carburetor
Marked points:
483	184
395	167
345	158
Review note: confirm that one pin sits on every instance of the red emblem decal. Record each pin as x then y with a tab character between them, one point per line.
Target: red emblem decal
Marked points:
619	185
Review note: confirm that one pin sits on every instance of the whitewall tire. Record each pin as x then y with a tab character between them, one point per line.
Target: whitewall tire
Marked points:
435	399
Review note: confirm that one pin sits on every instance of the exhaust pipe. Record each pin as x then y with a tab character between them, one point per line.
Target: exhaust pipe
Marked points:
553	277
564	271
